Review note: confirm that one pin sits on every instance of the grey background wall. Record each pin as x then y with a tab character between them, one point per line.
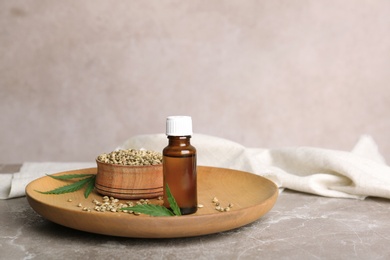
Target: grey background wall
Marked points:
78	78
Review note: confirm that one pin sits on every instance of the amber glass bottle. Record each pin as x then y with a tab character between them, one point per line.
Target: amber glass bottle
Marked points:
179	164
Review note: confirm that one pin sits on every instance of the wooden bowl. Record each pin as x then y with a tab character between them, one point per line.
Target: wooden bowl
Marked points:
129	182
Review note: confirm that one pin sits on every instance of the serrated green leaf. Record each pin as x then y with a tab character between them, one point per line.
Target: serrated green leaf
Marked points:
151	209
90	186
69	176
172	202
68	188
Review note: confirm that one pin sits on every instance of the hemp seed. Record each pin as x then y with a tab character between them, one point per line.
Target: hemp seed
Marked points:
131	157
218	206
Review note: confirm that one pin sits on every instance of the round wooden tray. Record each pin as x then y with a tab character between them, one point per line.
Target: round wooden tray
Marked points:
252	197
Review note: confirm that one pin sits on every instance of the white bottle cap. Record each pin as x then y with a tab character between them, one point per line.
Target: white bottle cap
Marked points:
179	126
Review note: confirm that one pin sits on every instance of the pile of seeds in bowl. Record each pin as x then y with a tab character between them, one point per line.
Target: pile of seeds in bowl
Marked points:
131	157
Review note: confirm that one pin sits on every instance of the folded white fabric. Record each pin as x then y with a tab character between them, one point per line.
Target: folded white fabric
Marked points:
13	185
356	174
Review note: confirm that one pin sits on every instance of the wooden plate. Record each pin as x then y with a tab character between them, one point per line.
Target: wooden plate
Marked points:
252	196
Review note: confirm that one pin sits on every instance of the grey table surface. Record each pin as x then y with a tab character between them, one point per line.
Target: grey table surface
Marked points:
300	226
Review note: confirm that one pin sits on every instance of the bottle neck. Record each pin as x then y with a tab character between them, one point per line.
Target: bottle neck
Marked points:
179	140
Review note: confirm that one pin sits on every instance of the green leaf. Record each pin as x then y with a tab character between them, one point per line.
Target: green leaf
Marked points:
90	186
151	209
157	210
172	202
68	188
70	176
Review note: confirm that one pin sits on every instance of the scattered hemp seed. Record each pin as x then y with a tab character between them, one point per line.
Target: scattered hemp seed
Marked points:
200	206
218	206
69	200
86	209
111	204
79	205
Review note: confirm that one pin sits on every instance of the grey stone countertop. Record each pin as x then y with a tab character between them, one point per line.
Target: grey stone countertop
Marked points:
300	226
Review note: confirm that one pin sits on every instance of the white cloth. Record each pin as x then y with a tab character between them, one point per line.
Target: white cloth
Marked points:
13	185
356	174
